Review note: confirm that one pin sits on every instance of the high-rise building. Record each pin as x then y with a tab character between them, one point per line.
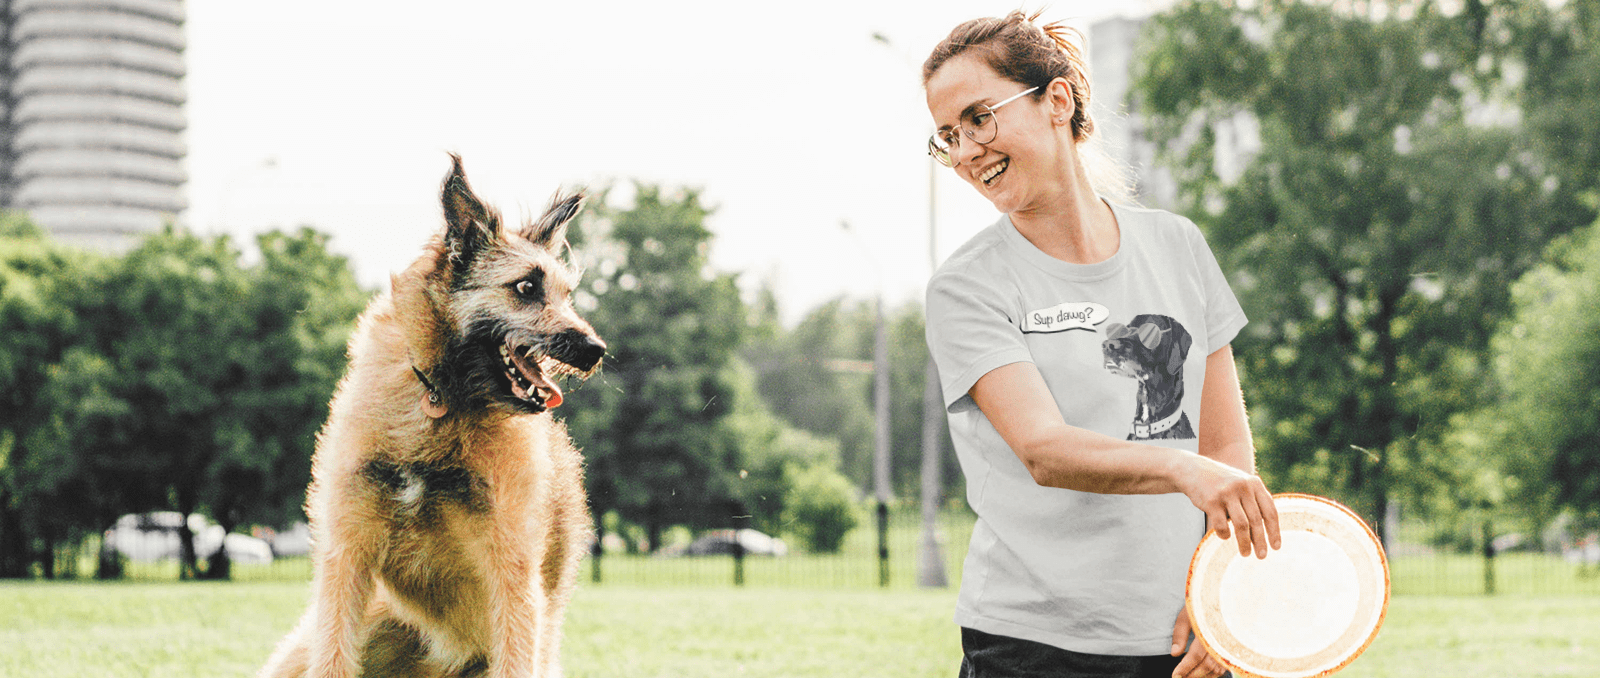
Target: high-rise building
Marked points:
1113	51
91	135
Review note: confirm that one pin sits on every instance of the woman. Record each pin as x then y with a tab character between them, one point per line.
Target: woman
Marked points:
1086	367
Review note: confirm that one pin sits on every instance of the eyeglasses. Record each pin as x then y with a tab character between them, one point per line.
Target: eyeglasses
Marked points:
977	124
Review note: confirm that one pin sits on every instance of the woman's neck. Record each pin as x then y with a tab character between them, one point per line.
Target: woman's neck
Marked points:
1075	226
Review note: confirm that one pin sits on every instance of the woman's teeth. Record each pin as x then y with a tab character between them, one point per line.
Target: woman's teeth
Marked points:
989	174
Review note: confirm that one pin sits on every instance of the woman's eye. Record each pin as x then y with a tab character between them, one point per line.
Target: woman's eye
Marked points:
980	120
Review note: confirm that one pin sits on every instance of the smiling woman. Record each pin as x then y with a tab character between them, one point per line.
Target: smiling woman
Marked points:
1065	335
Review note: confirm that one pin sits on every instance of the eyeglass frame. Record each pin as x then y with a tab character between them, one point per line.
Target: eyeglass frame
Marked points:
942	155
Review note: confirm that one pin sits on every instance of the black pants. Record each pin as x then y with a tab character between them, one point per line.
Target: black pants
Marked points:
985	655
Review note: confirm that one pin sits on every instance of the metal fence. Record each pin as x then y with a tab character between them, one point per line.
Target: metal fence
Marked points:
1415	568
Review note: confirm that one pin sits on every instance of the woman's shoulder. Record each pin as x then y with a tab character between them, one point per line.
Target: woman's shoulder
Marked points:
975	255
1160	226
1153	218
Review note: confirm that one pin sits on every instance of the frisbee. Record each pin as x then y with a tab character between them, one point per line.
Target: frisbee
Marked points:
1307	609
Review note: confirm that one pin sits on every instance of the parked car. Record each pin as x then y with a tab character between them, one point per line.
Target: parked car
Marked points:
149	537
720	543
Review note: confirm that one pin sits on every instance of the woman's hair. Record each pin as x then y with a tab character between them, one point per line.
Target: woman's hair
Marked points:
1024	53
1033	56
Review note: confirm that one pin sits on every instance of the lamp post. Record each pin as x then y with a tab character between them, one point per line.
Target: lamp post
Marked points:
880	397
930	553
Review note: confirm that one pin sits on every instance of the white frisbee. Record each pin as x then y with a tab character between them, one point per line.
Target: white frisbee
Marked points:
1308	609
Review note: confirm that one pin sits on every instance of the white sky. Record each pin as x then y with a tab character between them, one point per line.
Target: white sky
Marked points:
788	117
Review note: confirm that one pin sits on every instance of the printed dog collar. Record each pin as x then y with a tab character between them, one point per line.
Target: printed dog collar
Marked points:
1166	424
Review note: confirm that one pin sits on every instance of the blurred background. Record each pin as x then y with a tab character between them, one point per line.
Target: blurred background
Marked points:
202	196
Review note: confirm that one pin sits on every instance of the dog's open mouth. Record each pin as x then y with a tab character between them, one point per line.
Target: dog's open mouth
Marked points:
528	381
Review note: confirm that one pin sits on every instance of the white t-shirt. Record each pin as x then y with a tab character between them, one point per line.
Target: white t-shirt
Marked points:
1122	345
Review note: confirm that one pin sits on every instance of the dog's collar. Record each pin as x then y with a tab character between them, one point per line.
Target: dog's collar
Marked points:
1166	424
432	402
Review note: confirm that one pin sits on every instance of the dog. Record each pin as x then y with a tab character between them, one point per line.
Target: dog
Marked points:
1151	350
447	507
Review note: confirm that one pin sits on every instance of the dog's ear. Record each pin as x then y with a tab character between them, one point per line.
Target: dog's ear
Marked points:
550	231
469	225
1178	351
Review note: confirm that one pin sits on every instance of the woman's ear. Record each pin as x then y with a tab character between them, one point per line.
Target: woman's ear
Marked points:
1062	104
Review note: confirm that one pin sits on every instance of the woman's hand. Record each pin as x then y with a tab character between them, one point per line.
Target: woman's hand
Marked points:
1197	663
1229	496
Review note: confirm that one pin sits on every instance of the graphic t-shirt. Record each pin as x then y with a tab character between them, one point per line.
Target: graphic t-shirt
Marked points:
1122	345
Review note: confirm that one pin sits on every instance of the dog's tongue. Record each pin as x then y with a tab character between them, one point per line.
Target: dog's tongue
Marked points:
541	384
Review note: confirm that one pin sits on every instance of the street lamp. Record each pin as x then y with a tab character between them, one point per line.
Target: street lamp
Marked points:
930	555
880	397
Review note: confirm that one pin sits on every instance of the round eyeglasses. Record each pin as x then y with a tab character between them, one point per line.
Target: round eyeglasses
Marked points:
977	124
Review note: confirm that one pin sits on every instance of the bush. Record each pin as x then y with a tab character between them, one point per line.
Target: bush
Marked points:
820	508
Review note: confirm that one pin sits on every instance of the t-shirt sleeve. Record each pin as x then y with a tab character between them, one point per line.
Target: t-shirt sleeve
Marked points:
970	332
1224	316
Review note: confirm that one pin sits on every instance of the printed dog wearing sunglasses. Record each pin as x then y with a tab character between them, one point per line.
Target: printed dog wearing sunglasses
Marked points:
1151	350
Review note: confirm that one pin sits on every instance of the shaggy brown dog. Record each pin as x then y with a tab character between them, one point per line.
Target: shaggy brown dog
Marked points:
446	505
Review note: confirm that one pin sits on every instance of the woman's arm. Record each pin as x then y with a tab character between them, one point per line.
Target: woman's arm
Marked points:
1224	430
1019	404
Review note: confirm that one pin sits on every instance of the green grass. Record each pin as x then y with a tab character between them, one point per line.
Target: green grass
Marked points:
50	629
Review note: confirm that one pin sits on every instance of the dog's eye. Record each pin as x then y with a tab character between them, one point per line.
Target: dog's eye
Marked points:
530	288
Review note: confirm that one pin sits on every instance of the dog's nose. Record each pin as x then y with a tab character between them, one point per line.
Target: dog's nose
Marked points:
580	349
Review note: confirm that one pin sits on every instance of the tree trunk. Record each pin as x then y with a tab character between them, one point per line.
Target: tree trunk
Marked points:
13	544
110	562
220	566
188	567
597	550
47	557
653	528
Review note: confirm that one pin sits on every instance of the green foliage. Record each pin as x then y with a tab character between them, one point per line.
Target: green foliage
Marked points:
672	429
774	457
39	282
170	377
818	377
1373	237
821	509
1541	432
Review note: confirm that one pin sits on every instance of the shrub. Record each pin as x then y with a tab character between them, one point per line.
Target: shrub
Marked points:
820	508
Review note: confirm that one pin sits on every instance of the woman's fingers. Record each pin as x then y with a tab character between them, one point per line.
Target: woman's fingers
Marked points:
1180	632
1217	521
1269	515
1243	525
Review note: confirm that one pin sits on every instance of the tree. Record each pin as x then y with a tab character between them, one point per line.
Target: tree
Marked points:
818	377
300	309
38	500
649	422
1542	434
225	373
1373	238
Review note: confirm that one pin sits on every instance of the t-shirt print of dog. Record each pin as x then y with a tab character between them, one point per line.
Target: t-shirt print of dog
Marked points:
1151	350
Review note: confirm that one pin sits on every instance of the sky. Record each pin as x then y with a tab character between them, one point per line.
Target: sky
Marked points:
790	120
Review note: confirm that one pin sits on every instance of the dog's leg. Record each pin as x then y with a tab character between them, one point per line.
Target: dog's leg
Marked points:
570	535
515	606
289	659
343	589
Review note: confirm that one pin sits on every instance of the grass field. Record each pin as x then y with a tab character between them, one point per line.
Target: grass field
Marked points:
50	629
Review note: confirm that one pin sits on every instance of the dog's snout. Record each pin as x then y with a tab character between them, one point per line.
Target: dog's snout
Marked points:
579	349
